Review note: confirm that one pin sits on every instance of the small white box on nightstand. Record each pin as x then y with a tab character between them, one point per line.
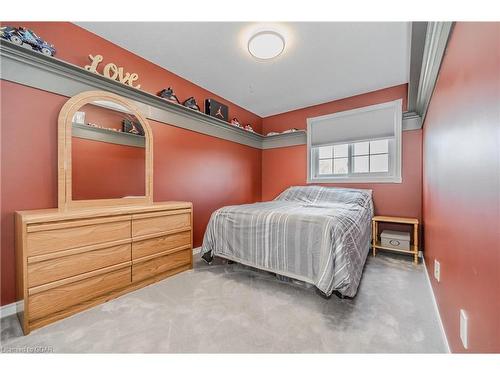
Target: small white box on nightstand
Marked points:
395	239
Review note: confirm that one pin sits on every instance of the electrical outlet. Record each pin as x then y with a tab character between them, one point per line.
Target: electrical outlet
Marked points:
464	327
437	270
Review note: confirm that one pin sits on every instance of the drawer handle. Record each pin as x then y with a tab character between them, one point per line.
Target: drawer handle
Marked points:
394	242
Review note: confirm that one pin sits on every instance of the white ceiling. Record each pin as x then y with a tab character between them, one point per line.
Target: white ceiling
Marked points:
321	62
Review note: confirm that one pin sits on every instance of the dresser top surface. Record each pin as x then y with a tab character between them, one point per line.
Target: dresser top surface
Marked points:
55	214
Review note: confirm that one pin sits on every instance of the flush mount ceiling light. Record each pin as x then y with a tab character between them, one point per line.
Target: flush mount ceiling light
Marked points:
266	45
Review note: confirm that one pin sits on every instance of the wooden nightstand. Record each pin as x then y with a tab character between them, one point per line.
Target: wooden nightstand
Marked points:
398	220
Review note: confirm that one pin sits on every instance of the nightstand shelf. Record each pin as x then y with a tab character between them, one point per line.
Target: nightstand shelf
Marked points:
376	244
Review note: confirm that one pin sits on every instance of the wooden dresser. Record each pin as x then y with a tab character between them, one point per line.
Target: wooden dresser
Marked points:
68	261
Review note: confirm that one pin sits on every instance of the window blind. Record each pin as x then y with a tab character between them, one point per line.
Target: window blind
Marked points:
377	121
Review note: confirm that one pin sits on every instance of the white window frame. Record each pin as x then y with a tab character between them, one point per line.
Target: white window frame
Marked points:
395	147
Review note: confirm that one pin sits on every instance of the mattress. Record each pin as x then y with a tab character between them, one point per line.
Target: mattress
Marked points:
319	235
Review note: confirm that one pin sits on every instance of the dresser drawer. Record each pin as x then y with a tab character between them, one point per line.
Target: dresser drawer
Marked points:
155	266
159	244
62	297
70	265
48	238
159	222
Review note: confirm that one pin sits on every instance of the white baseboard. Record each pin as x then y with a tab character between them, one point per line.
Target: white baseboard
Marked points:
436	308
197	250
9	309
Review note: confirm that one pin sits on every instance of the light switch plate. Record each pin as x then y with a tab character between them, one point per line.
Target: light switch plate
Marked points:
437	270
464	327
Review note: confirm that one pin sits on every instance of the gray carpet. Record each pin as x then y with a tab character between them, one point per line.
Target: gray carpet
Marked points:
232	308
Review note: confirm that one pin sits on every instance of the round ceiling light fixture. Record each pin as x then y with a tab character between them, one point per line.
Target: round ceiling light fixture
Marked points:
266	45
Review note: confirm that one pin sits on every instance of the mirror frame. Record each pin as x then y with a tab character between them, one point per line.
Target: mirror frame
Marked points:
64	139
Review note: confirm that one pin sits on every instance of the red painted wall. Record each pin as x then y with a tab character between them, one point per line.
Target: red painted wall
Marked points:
28	164
208	171
461	185
284	167
105	170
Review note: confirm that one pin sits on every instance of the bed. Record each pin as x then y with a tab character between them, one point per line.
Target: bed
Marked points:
319	235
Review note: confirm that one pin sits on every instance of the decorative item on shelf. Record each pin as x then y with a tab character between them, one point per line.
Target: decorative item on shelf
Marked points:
112	71
236	123
249	128
79	117
132	127
27	38
191	103
216	109
168	94
271	134
94	125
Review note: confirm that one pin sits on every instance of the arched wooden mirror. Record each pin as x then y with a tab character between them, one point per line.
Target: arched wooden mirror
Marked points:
105	152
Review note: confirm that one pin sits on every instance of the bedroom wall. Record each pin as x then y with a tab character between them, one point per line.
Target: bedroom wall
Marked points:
101	170
461	186
287	166
190	166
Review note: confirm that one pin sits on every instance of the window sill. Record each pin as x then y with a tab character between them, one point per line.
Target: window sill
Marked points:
353	180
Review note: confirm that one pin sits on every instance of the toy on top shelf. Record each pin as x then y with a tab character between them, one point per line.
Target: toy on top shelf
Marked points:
25	37
132	127
249	128
191	103
97	126
216	109
292	130
236	123
169	95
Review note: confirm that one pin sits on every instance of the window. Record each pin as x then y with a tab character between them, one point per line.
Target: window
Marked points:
333	159
362	145
354	158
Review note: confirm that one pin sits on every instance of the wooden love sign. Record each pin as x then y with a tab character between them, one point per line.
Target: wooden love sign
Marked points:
112	71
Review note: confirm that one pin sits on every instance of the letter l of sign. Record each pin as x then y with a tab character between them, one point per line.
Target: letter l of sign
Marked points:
95	61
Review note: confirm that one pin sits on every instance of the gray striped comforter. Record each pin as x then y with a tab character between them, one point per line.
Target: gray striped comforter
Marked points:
316	234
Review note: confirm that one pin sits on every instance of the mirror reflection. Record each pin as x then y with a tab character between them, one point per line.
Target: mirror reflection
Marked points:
108	154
